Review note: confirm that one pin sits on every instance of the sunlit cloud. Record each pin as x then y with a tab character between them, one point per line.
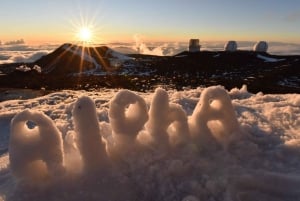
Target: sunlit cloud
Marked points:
18	51
14	42
156	48
21	57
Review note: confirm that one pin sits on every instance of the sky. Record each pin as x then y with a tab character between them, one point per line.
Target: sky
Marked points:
37	21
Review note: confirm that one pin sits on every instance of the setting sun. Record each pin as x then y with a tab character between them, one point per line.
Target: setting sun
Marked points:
85	34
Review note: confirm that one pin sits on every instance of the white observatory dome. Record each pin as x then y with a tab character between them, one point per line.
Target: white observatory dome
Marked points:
194	45
230	46
261	46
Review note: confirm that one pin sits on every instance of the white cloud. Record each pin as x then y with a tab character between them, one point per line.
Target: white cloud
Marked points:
15	42
284	48
22	57
24	53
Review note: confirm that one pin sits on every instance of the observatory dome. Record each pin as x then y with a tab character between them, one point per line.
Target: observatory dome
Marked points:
230	46
194	45
261	46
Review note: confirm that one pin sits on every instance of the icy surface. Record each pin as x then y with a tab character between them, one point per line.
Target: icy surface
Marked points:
23	68
268	59
189	145
118	55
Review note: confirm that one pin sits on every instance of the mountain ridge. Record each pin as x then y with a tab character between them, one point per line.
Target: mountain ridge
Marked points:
81	67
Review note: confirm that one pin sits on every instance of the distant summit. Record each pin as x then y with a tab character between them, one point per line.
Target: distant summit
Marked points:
69	58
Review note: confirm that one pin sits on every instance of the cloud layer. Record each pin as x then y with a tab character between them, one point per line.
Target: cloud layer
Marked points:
19	51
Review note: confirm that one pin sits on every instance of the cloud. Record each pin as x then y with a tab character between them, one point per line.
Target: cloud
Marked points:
23	52
4	57
37	55
21	57
27	53
18	47
15	42
156	48
284	48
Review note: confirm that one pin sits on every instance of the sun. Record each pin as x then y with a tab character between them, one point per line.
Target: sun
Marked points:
85	30
85	34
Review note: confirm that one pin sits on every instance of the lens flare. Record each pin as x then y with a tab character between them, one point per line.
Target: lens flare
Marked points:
85	30
85	34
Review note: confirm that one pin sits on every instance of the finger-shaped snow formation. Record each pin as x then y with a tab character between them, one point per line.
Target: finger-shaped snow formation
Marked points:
215	106
158	117
180	127
127	115
88	137
168	145
35	147
162	115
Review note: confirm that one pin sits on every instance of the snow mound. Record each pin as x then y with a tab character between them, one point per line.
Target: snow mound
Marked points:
195	144
88	136
35	151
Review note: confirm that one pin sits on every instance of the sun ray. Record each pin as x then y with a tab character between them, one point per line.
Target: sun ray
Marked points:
85	30
59	57
86	36
82	58
102	61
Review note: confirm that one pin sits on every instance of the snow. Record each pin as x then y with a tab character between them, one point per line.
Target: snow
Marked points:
127	116
23	68
214	105
117	59
161	116
188	145
37	68
88	137
118	55
269	59
29	145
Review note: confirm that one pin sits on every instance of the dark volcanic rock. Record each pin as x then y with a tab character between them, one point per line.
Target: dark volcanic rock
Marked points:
77	67
70	58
